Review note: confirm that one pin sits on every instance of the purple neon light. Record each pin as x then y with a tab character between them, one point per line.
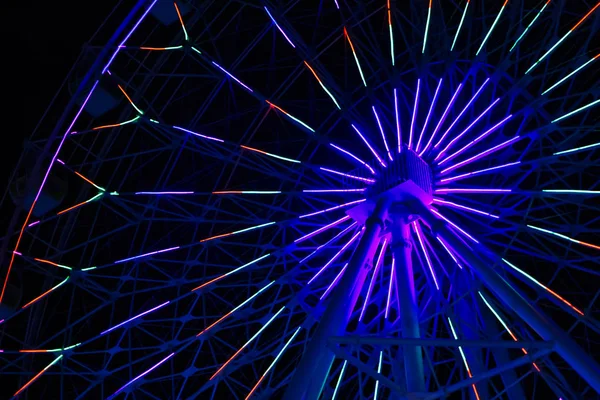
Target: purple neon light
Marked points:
449	252
135	317
369	146
418	232
333	190
321	229
147	254
480	155
331	208
197	134
454	225
232	77
60	161
335	257
164	192
441	121
398	133
472	190
481	171
460	206
431	107
389	294
462	112
358	178
373	277
33	223
278	27
333	283
414	115
467	128
17	253
353	156
140	376
382	133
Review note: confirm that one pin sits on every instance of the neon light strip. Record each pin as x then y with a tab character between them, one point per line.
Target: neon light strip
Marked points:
462	19
271	155
135	317
449	252
262	328
321	229
52	263
414	114
459	206
335	257
197	134
130	101
233	77
418	232
491	28
571	74
331	208
231	272
398	133
89	181
140	376
389	294
532	279
379	370
355	57
571	191
369	146
273	362
437	90
146	254
323	85
593	246
278	27
530	24
481	171
354	157
159	193
462	112
462	354
248	192
389	12
382	133
563	38
50	350
473	190
290	116
481	155
373	278
578	110
45	293
332	190
454	225
113	125
29	382
196	50
339	381
236	232
185	34
161	48
248	300
358	178
441	121
589	146
80	204
334	282
467	128
425	38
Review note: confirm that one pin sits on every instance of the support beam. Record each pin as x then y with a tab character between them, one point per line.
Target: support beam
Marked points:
312	370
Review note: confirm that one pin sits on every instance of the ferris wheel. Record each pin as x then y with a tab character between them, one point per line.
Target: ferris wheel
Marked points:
335	199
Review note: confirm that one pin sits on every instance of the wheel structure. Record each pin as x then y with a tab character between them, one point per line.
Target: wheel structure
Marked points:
301	200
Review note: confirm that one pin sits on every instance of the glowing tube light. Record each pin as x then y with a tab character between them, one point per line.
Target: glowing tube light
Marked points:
89	181
474	141
52	263
571	191
473	190
80	204
370	147
146	254
563	38
262	328
382	133
321	229
532	279
462	112
161	48
290	116
437	90
454	225
248	192
355	57
290	340
389	12
130	101
379	370
113	125
196	50
166	192
398	133
334	282
571	74
335	257
462	354
278	27
135	317
373	278
354	157
426	32
331	208
482	154
50	350
332	190
358	178
418	232
198	134
590	146
441	121
233	77
29	382
491	28
460	206
481	171
593	246
33	224
271	155
236	232
530	24
185	34
593	103
232	272
449	252
323	85
45	293
140	376
467	128
414	114
462	19
248	300
339	381
389	293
